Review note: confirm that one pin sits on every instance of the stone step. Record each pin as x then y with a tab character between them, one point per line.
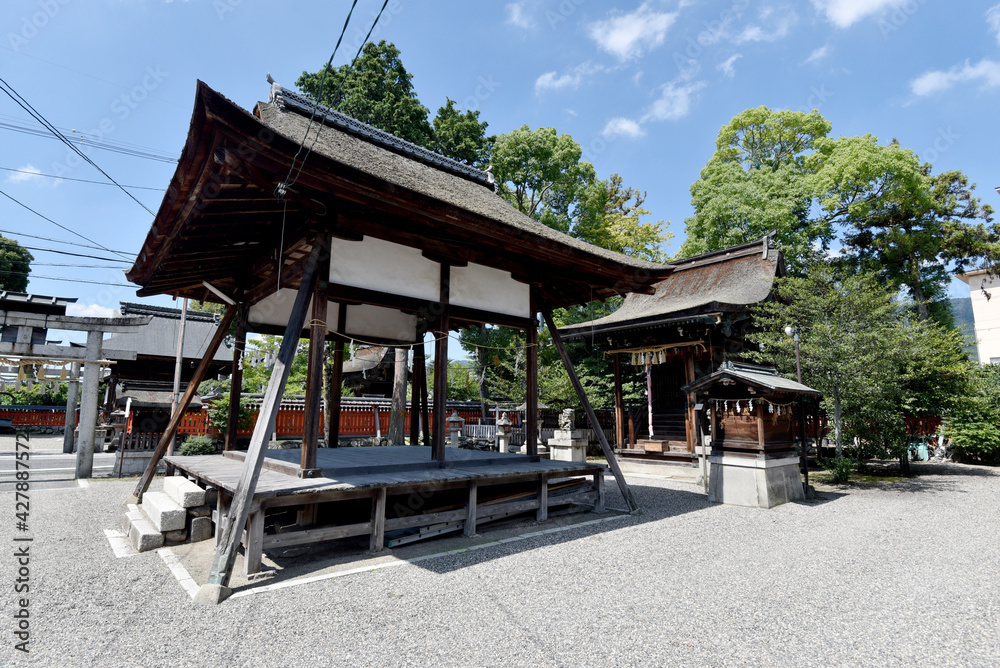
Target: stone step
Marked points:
164	513
143	535
183	491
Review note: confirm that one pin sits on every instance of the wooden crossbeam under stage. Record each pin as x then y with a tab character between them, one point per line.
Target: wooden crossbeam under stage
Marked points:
381	473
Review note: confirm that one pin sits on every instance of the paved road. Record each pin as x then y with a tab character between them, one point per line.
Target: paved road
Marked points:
49	468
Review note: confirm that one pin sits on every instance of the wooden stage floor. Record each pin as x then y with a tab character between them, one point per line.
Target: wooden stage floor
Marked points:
395	490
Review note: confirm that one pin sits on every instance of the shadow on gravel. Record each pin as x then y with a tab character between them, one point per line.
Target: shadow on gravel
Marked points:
925	477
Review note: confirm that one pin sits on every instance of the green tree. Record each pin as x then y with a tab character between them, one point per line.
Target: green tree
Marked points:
913	228
461	136
756	182
611	217
15	265
540	173
377	90
973	424
861	347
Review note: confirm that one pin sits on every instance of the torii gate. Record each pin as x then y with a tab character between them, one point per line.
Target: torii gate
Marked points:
28	333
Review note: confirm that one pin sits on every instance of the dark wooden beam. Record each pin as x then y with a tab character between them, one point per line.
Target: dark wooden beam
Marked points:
236	376
441	332
317	356
239	510
594	424
619	402
182	405
420	357
531	384
337	380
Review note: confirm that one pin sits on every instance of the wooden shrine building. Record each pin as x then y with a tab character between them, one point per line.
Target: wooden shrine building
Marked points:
696	319
303	220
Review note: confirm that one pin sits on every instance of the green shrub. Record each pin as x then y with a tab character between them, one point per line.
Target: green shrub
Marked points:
197	445
840	467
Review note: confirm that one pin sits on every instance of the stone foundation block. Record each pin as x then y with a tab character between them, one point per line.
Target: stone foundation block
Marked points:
183	491
163	512
144	536
749	481
200	511
201	529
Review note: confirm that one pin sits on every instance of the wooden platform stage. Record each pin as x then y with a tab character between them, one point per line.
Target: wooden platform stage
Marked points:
393	494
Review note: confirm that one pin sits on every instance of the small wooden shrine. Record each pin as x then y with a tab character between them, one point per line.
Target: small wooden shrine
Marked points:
754	418
696	318
301	220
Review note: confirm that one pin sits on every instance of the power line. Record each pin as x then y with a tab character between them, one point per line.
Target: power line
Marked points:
68	243
75	266
85	139
24	104
68	178
68	280
62	227
62	252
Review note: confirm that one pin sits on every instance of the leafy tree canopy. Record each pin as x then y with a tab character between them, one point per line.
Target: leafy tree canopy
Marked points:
461	136
15	265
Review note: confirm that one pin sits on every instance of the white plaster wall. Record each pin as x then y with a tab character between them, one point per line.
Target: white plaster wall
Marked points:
476	286
384	266
363	321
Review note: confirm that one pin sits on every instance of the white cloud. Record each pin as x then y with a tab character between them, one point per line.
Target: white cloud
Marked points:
628	35
987	71
676	98
89	310
622	127
993	20
26	173
779	25
517	16
819	54
571	112
550	81
845	13
727	67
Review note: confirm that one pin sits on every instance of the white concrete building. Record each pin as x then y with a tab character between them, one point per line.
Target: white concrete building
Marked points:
985	291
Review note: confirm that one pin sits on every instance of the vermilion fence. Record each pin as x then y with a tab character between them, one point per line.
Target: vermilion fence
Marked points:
35	416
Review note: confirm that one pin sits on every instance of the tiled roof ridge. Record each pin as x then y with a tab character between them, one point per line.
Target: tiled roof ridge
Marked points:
132	308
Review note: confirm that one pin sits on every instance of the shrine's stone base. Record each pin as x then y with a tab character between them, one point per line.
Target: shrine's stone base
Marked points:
752	481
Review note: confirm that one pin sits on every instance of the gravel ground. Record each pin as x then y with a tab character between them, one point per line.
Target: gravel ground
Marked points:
902	574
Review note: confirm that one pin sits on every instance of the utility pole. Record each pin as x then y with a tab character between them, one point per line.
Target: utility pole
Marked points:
177	367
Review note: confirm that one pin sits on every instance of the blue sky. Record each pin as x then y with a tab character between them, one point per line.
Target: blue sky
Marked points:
643	86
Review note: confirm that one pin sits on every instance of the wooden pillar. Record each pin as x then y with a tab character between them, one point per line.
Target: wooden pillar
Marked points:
225	555
317	354
689	418
337	380
182	405
415	401
254	543
619	403
236	377
441	368
471	507
594	424
531	386
542	514
377	543
420	389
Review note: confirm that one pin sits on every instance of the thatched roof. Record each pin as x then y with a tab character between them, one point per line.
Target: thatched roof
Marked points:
718	282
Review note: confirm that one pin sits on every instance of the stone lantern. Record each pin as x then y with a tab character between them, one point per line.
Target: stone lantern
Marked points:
503	433
454	428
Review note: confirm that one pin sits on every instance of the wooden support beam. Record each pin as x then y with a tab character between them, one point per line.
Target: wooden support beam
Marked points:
415	400
317	356
337	380
254	543
619	403
378	520
599	492
420	357
175	420
543	498
441	331
236	376
531	384
225	556
471	502
594	424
